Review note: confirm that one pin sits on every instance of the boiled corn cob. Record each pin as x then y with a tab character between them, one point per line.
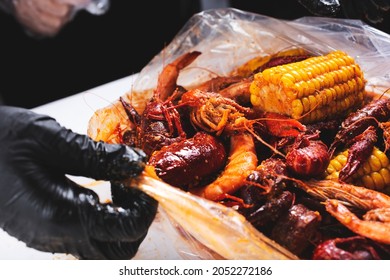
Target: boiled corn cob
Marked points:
315	89
374	174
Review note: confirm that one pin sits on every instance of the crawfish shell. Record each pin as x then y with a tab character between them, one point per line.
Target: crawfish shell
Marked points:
185	163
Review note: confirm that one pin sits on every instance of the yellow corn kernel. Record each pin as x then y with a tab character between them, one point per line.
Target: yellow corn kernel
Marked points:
297	106
385	173
331	84
384	160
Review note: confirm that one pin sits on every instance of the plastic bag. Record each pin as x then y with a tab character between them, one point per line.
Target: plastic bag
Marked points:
228	38
369	46
211	230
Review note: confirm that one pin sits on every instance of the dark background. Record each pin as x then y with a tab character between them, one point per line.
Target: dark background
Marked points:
94	50
88	52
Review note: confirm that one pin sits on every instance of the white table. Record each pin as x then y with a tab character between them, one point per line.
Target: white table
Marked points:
74	112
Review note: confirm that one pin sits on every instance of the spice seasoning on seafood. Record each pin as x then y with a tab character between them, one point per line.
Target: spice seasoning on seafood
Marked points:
265	140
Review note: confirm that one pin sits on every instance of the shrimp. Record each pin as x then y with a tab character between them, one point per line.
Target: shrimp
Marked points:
375	230
242	161
166	83
342	199
351	195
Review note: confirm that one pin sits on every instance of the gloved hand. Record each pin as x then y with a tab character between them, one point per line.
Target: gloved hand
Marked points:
44	208
370	11
45	17
321	7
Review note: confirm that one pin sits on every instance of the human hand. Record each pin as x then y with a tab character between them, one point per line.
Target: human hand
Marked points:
42	207
45	17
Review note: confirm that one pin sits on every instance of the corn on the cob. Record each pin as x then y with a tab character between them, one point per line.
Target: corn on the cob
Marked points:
374	174
317	88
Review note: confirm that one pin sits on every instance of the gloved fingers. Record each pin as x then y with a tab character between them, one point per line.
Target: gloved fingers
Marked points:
372	11
108	230
117	250
369	10
111	223
383	5
82	156
124	196
61	150
321	7
58	149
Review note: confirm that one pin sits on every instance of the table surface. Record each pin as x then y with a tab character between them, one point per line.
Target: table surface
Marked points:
74	112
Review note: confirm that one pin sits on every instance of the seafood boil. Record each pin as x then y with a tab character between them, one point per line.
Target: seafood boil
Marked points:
294	143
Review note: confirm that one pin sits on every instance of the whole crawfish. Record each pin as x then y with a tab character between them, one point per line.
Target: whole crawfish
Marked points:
359	132
160	124
186	163
308	156
211	112
304	152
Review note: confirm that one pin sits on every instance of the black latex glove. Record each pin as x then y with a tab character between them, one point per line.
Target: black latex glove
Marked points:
370	11
321	7
42	207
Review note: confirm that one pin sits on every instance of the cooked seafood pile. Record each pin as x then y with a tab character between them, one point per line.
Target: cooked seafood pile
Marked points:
293	142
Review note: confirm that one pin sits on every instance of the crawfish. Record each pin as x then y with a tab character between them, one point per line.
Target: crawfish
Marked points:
186	163
212	112
359	133
348	248
160	123
307	156
218	103
266	191
304	153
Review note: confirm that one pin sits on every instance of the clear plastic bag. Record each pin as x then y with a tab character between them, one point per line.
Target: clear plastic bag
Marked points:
369	46
227	38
